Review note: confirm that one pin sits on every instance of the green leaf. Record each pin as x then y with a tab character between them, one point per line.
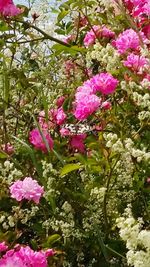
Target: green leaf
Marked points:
51	240
32	155
73	50
3	155
69	168
3	26
62	14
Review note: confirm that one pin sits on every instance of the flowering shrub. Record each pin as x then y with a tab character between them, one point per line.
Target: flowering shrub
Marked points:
75	124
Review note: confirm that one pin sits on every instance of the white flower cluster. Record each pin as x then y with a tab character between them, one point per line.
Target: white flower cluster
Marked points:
18	214
108	56
117	146
64	222
93	212
137	240
144	115
9	173
50	176
130	86
142	101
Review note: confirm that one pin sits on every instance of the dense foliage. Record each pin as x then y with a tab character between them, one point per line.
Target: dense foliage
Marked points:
75	132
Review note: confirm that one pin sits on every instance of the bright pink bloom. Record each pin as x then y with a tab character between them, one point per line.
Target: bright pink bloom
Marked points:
138	8
106	105
97	32
107	32
49	252
136	62
64	132
87	105
61	116
77	142
146	31
105	83
141	8
27	189
7	8
8	148
85	89
26	257
128	39
60	101
37	141
89	39
3	246
129	4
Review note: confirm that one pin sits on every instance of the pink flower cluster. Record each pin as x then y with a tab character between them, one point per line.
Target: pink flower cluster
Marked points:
138	7
136	62
27	189
128	39
60	116
25	257
86	102
87	105
77	142
8	148
97	32
104	83
3	246
7	8
56	117
37	141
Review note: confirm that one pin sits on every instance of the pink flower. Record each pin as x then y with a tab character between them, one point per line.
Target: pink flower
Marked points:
3	246
44	123
106	105
105	83
68	39
77	142
64	132
136	62
61	116
83	21
129	4
8	148
89	39
97	32
146	31
25	256
85	89
107	32
60	101
127	40
37	141
27	189
7	8
141	7
87	105
49	252
138	8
